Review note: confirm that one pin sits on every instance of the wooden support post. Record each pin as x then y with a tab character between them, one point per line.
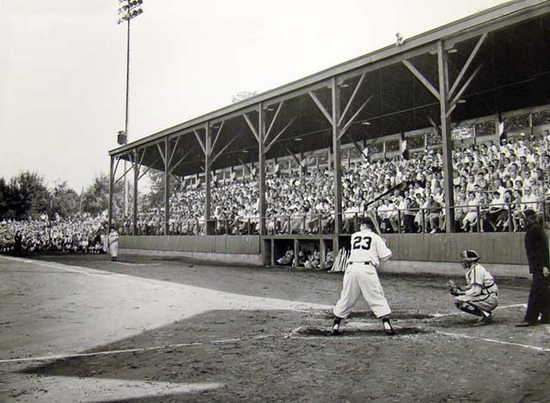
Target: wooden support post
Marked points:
207	169
111	189
136	179
337	159
446	136
166	187
261	168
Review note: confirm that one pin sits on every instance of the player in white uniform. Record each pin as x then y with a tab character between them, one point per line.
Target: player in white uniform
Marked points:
361	277
113	244
479	296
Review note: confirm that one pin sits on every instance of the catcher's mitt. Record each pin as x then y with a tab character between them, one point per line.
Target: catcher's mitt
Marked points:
452	287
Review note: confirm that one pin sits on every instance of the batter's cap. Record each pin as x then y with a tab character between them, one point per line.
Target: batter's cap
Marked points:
469	255
367	220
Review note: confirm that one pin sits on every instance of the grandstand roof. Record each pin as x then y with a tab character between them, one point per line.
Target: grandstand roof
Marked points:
498	58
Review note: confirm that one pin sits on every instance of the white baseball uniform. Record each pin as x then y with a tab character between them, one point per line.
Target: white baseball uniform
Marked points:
361	277
485	295
113	244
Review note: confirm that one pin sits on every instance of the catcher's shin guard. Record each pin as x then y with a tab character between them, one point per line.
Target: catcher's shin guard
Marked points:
468	308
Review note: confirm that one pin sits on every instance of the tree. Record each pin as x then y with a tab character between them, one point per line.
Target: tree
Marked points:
96	197
4	199
65	201
27	196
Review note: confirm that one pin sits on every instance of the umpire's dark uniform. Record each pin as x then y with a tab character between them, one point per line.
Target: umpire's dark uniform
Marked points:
18	244
536	248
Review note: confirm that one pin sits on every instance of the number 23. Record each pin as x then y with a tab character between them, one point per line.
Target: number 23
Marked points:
362	242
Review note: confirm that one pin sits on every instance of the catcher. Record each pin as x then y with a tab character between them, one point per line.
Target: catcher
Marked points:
479	296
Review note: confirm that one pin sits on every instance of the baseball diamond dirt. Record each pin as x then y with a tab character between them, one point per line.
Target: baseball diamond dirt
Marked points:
80	328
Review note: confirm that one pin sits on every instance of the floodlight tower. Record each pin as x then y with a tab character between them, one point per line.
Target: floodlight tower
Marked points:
128	9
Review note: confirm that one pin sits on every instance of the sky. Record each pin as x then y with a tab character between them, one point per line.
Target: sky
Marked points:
63	66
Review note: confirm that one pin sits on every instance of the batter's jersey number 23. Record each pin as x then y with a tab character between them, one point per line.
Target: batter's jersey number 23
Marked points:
362	242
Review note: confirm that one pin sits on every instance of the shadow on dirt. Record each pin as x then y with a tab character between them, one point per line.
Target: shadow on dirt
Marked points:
402	331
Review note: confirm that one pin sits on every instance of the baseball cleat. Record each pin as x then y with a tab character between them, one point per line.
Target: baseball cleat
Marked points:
335	330
388	329
485	319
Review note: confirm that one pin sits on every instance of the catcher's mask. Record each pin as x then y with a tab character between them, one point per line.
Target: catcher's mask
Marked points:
468	257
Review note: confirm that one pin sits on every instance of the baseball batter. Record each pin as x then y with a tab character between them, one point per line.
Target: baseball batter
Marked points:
368	249
479	296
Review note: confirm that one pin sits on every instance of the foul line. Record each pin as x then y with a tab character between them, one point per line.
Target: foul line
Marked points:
133	350
506	343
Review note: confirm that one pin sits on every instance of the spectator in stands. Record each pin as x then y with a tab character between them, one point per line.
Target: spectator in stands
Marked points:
461	207
434	214
471	218
409	208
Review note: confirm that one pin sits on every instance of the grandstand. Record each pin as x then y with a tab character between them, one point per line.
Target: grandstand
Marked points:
451	123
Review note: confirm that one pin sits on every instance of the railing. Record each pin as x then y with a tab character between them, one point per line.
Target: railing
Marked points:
490	218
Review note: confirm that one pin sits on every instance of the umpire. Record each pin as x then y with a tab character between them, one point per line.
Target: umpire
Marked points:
536	249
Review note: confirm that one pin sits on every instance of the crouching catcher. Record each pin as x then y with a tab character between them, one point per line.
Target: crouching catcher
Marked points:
479	296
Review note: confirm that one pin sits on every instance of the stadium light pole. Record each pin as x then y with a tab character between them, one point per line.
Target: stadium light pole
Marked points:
128	9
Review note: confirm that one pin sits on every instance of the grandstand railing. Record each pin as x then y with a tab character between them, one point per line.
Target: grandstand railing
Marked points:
487	218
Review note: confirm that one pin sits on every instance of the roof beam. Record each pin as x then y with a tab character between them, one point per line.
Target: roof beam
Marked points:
467	64
421	78
252	128
201	143
216	136
355	90
268	147
274	119
454	102
225	148
181	160
346	127
489	21
173	151
161	152
320	106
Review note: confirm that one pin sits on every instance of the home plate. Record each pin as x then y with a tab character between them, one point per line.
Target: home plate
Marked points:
72	389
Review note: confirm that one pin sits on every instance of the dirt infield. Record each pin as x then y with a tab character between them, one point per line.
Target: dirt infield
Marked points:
82	328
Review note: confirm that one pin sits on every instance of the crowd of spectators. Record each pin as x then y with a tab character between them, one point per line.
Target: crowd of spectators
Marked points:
492	184
84	233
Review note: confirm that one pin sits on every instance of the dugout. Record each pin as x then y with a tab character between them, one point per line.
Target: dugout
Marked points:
456	83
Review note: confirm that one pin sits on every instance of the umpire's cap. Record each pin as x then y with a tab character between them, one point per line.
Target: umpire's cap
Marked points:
469	255
529	213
